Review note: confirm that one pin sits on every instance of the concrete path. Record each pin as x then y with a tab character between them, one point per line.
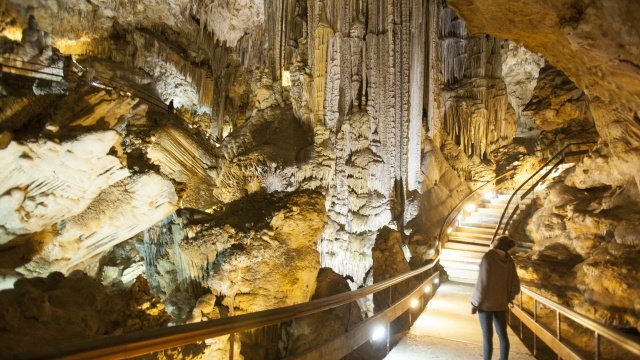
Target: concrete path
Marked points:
447	330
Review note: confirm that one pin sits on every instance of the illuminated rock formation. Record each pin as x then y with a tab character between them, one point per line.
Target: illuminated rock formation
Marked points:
56	308
322	35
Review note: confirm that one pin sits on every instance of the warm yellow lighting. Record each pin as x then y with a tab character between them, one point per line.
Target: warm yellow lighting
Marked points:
449	230
13	33
378	333
436	281
414	303
286	78
79	46
427	289
490	195
470	207
460	217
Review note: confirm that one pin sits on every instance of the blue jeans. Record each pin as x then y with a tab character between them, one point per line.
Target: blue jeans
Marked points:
487	319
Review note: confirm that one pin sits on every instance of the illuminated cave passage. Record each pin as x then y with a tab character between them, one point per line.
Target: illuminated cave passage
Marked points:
173	162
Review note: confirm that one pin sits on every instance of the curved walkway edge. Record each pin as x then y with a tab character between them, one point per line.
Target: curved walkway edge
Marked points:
446	330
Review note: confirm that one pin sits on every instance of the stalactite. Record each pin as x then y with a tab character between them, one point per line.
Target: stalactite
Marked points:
323	33
475	102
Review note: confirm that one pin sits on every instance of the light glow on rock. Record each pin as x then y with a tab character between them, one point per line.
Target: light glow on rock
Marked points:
286	78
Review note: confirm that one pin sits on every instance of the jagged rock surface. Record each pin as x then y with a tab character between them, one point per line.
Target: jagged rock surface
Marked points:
593	42
561	111
316	329
56	308
589	229
258	252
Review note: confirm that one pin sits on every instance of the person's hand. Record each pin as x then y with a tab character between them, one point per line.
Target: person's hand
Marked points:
474	310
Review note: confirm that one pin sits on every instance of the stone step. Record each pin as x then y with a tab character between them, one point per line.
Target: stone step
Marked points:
475	230
470	236
467	247
480	224
460	275
500	206
498	211
461	255
466	265
486	215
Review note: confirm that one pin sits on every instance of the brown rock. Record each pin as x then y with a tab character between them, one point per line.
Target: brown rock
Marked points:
59	309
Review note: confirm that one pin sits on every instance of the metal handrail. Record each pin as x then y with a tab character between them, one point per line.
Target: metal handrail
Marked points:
559	153
448	219
147	341
617	337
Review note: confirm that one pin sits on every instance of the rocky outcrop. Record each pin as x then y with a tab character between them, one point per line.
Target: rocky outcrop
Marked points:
520	71
474	93
257	253
593	42
219	347
316	329
389	261
591	233
57	308
442	189
45	182
561	111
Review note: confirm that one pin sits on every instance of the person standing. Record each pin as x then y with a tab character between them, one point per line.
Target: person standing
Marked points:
497	286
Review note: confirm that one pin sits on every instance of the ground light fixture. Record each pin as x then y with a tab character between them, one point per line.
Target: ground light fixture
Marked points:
427	289
378	333
489	195
436	281
470	207
414	303
449	230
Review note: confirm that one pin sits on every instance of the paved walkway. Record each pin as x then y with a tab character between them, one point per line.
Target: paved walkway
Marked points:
447	330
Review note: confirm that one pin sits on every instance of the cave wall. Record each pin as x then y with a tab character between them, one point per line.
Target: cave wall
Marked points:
581	222
593	42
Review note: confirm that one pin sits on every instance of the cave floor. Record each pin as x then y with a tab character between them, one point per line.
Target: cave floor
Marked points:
447	330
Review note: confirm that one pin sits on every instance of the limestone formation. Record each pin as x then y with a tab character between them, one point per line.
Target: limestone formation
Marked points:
44	182
520	70
592	42
258	252
561	111
313	330
585	230
229	149
56	308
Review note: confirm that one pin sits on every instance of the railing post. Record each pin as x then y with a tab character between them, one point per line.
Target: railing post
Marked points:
231	340
388	336
349	320
597	346
521	334
535	319
558	327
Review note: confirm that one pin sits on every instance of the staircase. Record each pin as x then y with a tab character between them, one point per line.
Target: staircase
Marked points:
470	236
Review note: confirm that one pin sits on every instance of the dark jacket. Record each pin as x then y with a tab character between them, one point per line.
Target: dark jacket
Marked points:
498	283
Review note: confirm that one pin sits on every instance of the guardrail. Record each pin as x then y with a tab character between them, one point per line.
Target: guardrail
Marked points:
563	350
148	341
559	157
455	211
